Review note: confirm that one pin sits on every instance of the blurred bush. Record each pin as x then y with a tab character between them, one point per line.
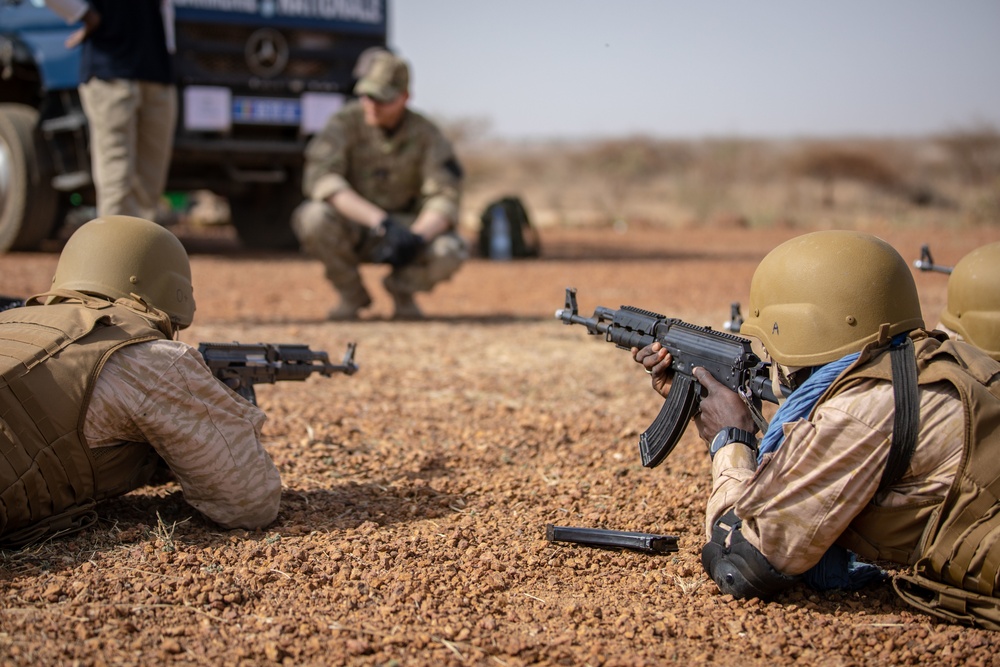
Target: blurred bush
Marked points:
641	180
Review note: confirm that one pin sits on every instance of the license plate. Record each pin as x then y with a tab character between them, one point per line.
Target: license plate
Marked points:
266	111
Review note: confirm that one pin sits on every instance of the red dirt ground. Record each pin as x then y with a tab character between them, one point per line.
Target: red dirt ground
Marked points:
416	491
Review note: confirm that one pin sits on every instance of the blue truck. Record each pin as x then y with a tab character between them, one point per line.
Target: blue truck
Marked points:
255	79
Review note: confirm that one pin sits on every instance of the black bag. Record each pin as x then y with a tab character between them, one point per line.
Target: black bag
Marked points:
7	302
506	231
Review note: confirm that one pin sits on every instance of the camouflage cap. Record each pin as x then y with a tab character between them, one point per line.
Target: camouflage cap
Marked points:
388	76
364	62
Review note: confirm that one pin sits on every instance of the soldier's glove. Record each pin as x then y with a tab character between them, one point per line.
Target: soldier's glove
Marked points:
395	244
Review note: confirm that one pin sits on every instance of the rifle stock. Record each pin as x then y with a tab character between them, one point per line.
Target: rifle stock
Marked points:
726	356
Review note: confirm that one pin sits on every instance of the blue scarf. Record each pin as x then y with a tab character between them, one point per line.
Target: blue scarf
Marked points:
800	402
838	568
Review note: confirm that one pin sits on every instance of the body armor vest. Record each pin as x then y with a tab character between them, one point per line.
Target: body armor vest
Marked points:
50	357
957	541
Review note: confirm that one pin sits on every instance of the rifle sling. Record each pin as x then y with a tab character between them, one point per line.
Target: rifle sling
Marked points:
906	417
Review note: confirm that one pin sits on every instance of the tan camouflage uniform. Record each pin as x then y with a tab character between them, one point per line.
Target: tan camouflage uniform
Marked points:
404	171
796	513
161	392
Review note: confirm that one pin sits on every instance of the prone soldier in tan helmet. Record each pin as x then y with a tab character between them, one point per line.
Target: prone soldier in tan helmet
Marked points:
885	447
973	311
383	186
96	394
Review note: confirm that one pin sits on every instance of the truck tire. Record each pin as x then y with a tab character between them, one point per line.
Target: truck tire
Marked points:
262	215
28	204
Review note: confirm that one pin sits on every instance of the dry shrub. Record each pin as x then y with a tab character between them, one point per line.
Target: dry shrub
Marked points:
649	181
622	166
464	131
832	163
975	153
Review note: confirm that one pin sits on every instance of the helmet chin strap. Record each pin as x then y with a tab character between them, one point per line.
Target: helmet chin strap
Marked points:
883	335
776	386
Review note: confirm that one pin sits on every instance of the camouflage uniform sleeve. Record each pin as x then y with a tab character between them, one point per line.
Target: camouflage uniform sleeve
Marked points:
162	393
441	190
801	499
732	467
326	159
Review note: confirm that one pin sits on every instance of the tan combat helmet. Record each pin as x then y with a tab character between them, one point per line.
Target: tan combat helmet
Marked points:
973	309
118	256
820	296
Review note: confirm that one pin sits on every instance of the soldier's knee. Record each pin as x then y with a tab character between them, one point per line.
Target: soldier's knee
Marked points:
445	255
449	246
310	219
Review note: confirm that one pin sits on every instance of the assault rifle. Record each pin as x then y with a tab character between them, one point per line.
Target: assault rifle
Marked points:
726	356
926	262
240	366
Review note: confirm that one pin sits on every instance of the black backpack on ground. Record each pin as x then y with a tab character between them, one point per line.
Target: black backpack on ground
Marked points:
506	231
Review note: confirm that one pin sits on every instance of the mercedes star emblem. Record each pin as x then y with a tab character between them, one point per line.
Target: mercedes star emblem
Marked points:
267	52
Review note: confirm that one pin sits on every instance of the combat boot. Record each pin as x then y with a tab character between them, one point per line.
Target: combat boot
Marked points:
406	307
350	304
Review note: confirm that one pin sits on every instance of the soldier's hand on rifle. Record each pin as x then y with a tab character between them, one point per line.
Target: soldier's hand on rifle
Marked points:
656	361
720	407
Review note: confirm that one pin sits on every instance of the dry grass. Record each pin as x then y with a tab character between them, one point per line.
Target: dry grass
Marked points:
952	180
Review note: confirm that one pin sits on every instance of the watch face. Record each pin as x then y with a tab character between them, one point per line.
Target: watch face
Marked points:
720	440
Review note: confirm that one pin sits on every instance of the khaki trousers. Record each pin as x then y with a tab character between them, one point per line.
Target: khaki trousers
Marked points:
131	139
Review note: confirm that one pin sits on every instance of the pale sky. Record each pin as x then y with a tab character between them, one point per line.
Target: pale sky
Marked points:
544	69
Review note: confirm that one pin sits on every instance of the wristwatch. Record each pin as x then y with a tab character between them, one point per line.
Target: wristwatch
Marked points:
730	435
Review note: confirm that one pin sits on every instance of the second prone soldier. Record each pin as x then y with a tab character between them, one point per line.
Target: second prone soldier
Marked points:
382	186
973	310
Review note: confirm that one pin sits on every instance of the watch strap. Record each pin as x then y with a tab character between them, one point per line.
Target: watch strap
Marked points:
733	434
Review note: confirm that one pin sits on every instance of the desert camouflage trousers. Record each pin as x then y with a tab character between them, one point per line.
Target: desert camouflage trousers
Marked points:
343	245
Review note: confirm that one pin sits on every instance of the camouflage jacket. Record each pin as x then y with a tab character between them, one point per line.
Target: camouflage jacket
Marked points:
403	171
